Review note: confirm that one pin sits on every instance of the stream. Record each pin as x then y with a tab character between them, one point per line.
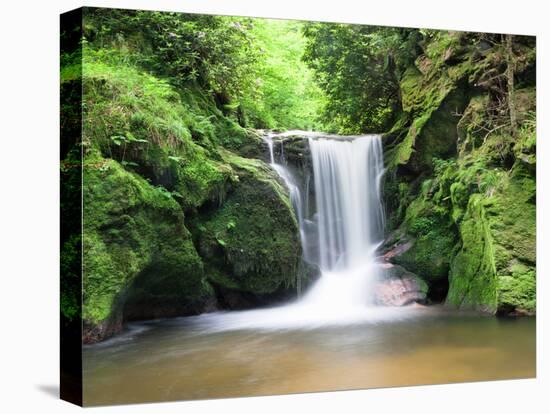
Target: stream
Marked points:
196	358
332	337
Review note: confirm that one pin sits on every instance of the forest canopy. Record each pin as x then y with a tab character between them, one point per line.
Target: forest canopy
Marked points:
276	74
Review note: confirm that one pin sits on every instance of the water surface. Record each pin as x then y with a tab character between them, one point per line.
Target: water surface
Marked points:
212	356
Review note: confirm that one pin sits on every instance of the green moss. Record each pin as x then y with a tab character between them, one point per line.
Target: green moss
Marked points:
170	137
464	169
70	270
131	228
252	241
496	213
433	241
431	98
518	291
470	135
472	281
411	99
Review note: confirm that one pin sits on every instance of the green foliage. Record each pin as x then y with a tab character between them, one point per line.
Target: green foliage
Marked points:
214	51
251	68
71	263
359	68
142	122
421	226
285	95
433	243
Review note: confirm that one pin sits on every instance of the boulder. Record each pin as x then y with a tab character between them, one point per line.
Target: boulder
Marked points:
251	242
136	252
399	287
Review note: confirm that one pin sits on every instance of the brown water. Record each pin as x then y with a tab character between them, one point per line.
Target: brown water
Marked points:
192	358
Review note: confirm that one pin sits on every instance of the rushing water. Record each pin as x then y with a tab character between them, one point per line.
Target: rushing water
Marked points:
332	338
194	358
347	177
349	220
347	190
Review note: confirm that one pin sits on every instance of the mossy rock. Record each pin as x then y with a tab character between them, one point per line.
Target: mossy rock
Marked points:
495	269
251	243
432	93
472	280
135	245
513	225
460	185
433	239
168	136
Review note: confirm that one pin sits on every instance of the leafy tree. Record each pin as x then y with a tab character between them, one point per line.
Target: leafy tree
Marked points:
359	69
285	93
215	52
252	68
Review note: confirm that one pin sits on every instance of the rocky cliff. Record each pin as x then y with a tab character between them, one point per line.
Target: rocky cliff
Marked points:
460	187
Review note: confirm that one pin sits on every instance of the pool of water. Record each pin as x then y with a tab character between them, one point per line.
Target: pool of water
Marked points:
218	355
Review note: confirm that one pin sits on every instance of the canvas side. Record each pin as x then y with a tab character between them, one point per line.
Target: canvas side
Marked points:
71	207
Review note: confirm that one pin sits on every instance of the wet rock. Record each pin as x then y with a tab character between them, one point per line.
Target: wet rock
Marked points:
399	287
397	250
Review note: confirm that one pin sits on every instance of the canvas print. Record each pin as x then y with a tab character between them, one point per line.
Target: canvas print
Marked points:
253	206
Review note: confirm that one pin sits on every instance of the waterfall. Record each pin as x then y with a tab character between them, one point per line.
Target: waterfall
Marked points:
295	199
348	224
349	215
347	174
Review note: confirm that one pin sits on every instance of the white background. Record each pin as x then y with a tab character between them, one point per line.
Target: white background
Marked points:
29	216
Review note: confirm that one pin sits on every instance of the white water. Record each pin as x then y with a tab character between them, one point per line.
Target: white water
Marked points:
350	220
293	189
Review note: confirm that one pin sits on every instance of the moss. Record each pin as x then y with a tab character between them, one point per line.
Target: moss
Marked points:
496	213
411	99
470	135
513	217
152	153
252	241
513	223
167	136
518	292
198	179
472	281
431	95
131	229
461	168
500	223
433	241
71	273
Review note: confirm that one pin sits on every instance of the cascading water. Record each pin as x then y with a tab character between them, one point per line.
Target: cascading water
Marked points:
295	198
349	218
347	175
